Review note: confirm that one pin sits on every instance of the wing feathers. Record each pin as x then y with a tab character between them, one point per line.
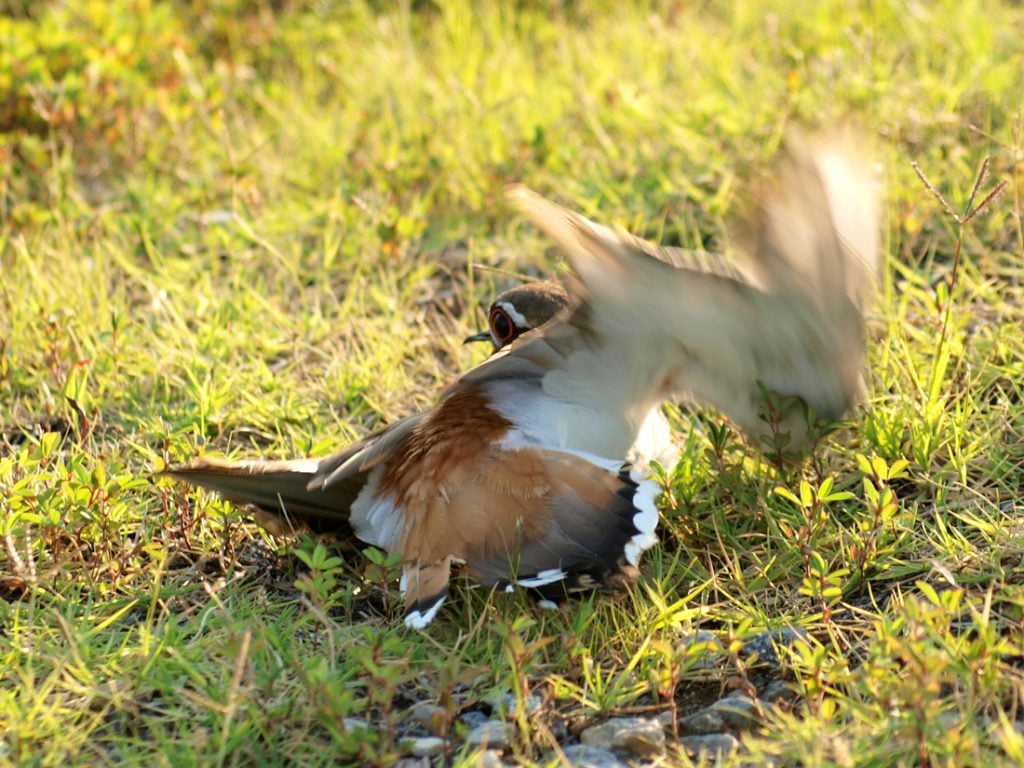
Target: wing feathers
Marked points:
364	455
791	319
425	588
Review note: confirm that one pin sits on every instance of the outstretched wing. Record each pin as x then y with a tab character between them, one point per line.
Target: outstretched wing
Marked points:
641	330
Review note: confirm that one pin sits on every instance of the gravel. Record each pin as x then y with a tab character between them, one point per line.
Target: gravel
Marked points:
708	721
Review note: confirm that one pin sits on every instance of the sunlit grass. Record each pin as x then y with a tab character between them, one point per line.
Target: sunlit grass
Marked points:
263	230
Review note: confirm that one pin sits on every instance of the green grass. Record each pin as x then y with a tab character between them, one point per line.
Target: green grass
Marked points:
262	229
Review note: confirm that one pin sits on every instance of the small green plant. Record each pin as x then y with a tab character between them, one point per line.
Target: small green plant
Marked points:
874	537
600	688
928	431
382	570
522	655
668	664
821	676
321	581
822	583
382	673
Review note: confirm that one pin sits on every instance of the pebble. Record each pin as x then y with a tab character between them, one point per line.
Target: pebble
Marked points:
705	720
589	756
712	744
493	733
705	646
665	719
424	746
473	719
430	716
643	738
355	724
777	691
764	644
506	704
490	758
736	712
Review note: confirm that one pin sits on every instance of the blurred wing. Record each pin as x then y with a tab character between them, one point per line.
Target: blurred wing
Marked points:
707	262
642	330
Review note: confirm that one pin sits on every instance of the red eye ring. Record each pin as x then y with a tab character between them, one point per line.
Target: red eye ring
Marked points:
502	328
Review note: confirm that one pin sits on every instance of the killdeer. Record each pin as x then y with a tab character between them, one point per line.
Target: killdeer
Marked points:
519	470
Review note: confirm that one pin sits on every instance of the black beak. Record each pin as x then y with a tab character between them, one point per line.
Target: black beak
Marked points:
479	336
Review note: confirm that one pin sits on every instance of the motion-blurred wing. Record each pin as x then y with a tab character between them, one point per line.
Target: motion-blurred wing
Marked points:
642	330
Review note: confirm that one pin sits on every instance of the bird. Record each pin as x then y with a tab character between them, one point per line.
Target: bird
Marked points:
519	471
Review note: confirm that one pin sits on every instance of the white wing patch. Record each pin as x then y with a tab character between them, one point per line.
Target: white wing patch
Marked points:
420	619
517	440
542	578
654	442
545	421
375	519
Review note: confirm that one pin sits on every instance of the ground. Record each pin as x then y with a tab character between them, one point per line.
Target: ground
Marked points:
259	228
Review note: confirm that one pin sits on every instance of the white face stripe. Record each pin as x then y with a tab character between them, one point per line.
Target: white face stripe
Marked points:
512	312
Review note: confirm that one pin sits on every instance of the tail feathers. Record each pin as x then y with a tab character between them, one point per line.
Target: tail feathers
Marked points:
279	489
598	524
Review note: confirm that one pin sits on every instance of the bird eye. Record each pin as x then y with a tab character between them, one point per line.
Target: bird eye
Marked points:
502	327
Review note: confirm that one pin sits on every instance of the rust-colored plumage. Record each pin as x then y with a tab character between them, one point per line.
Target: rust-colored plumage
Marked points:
455	433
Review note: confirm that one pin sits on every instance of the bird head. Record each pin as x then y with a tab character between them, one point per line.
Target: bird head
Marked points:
519	310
